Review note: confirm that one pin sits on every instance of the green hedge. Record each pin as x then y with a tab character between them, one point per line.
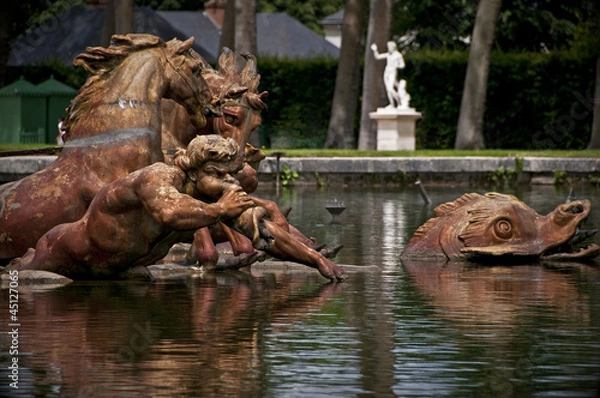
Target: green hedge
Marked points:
299	101
534	101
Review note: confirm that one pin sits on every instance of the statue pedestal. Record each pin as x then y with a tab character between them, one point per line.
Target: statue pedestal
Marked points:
395	128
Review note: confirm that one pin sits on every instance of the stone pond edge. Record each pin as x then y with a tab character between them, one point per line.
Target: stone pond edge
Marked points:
384	170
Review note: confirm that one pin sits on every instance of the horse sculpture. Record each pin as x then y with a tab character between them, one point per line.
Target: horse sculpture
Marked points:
242	105
113	128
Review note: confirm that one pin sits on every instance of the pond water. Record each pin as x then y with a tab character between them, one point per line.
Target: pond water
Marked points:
391	330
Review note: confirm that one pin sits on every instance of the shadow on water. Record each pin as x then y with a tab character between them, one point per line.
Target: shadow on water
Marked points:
393	330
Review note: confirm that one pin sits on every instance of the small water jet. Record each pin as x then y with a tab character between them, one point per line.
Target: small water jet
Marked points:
335	207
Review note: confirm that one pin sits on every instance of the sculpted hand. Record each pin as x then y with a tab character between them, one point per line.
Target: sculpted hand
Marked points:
374	47
234	201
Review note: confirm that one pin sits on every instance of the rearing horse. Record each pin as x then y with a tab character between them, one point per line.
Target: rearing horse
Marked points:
113	127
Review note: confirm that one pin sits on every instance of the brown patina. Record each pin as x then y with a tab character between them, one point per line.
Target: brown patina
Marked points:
134	220
237	90
501	227
113	128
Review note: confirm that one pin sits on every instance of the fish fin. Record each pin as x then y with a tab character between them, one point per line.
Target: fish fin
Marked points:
449	207
424	229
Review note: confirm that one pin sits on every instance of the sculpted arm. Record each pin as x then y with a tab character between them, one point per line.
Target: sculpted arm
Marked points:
376	53
172	209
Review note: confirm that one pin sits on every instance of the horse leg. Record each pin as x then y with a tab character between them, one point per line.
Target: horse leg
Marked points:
203	250
280	218
242	248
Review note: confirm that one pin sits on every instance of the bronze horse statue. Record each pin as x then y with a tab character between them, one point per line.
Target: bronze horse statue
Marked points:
113	127
242	105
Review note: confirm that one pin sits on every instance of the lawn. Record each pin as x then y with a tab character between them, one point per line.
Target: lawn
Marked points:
433	153
324	153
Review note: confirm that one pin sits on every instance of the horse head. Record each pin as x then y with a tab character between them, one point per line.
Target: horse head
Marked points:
129	78
242	104
187	85
236	90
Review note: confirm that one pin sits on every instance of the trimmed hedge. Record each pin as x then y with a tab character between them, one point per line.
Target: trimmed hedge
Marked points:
299	101
534	101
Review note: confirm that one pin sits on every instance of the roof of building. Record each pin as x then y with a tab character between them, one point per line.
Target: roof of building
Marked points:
53	86
23	87
18	87
69	33
337	18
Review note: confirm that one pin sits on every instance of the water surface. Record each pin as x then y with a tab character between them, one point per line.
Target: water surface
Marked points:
394	330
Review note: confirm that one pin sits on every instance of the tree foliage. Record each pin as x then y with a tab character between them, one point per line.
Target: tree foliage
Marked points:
308	12
523	25
172	5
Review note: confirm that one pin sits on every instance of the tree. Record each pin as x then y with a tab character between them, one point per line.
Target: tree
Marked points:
228	28
308	12
15	18
245	26
469	134
239	27
588	41
378	32
340	133
595	136
118	19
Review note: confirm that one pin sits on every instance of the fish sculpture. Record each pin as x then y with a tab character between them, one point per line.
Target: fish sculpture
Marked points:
501	227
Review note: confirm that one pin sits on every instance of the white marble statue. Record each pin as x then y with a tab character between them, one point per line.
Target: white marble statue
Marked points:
396	90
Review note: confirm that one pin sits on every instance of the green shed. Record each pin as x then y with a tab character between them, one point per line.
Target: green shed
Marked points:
30	113
22	113
58	97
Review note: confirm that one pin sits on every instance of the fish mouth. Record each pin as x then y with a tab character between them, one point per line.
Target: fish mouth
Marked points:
574	249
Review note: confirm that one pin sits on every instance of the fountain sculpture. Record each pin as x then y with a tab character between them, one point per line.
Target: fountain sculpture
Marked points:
134	220
114	128
396	121
501	228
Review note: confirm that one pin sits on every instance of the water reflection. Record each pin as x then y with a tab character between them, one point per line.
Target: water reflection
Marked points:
519	330
111	339
392	330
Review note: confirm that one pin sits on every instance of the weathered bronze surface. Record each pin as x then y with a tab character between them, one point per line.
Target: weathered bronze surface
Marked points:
115	205
242	104
134	220
501	227
113	128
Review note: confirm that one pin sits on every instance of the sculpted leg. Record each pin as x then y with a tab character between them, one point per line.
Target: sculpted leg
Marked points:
278	242
242	248
287	247
240	244
276	216
203	250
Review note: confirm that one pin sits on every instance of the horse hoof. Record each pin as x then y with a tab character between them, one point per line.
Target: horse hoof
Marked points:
332	252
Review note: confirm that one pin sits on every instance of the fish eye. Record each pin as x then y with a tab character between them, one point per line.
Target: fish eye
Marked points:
229	119
503	228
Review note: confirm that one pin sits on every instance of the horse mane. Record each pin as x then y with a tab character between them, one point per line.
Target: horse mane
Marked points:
237	85
100	62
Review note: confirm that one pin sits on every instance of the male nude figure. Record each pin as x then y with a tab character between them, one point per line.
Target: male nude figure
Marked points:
134	220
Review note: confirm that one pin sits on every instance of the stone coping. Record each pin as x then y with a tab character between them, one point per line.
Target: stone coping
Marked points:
430	164
13	168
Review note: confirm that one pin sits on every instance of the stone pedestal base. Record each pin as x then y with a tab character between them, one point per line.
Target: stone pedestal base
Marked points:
395	128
